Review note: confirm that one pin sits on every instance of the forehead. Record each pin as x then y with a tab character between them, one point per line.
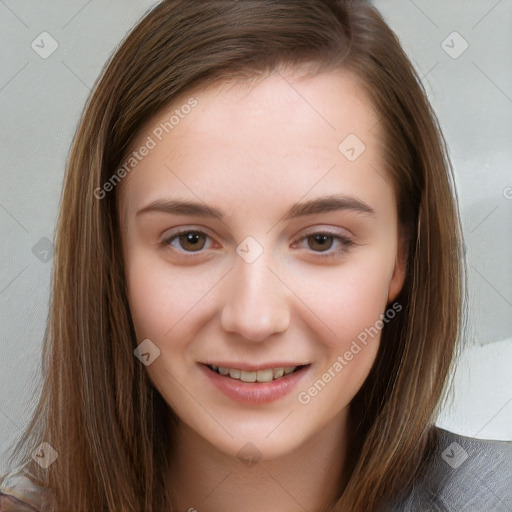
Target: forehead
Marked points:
277	135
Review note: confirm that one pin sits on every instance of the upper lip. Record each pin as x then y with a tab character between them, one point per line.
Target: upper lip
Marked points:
254	367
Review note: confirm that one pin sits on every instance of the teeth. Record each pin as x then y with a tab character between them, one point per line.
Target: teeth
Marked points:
248	376
266	375
234	374
277	372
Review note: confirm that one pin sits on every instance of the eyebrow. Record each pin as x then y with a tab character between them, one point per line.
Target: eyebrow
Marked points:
319	205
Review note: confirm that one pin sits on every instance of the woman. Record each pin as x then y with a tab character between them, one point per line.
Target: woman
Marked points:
257	288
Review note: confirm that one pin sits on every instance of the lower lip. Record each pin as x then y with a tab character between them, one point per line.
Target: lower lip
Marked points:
255	392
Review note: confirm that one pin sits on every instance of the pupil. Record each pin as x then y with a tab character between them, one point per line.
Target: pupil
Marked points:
321	240
192	238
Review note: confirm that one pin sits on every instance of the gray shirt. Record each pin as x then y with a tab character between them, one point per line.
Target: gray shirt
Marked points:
463	474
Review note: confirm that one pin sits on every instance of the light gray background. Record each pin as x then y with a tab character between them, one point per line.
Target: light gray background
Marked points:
41	100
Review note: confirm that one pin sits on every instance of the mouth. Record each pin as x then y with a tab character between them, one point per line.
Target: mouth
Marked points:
255	386
263	375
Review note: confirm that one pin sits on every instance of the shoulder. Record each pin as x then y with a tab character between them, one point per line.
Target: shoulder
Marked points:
18	493
462	473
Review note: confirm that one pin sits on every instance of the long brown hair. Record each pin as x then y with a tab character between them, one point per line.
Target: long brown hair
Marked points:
97	408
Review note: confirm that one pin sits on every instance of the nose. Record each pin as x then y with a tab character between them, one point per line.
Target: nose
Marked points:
256	300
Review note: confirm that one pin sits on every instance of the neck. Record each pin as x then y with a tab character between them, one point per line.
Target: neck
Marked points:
309	478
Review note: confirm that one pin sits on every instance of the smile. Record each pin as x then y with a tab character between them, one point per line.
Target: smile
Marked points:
255	386
265	375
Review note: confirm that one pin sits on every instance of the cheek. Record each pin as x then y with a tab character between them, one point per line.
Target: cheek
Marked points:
347	299
149	311
351	303
163	300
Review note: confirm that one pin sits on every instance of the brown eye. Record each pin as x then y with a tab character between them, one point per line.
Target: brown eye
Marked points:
192	241
320	242
187	241
326	244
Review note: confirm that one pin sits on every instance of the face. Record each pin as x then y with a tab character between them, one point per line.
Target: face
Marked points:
260	237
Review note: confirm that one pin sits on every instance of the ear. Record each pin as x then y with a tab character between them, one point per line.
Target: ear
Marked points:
400	268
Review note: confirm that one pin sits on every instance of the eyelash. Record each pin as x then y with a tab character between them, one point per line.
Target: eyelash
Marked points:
347	243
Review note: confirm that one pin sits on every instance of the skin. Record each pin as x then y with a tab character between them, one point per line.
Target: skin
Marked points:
253	151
